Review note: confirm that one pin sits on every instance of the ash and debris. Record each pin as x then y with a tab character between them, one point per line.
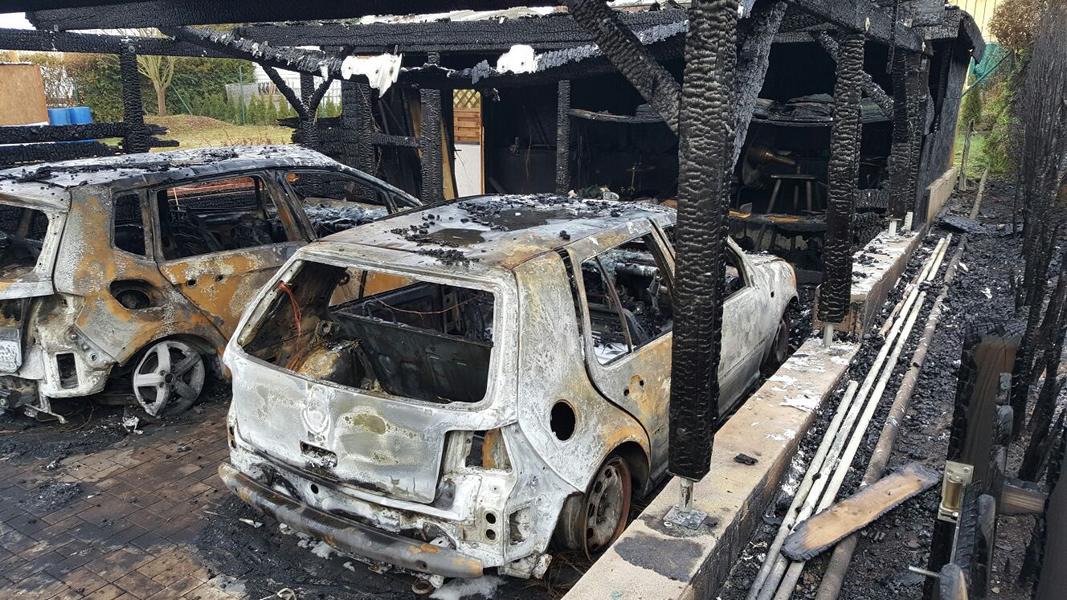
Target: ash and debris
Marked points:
331	219
901	538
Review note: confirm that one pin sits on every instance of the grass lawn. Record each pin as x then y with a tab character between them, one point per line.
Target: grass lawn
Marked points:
204	132
976	161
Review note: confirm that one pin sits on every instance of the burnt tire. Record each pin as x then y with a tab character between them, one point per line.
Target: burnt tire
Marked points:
779	350
169	378
591	522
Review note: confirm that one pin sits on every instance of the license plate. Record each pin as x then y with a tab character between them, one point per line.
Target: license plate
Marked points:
10	349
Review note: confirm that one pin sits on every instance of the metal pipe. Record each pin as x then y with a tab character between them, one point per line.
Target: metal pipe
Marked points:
771	575
792	575
833	578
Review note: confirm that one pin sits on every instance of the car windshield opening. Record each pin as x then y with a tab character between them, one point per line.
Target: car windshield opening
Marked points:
378	332
22	233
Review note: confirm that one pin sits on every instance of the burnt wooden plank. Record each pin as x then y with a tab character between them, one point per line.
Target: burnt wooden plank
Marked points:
844	518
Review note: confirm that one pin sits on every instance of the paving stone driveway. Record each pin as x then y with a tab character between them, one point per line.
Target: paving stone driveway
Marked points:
129	531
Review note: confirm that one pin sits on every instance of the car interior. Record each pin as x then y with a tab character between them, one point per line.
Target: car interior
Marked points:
419	340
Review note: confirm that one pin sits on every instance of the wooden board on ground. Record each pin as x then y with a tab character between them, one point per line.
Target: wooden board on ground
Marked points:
844	518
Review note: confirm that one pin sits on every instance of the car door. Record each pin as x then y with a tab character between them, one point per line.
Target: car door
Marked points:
742	315
222	238
127	301
623	284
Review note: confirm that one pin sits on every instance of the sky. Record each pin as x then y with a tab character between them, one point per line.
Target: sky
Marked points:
14	21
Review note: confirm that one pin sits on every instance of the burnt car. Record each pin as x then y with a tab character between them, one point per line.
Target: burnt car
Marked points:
134	269
471	385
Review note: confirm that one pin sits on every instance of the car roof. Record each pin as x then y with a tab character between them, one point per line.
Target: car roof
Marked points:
498	231
48	183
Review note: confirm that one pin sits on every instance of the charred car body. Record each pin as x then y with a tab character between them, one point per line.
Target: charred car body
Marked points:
453	388
142	264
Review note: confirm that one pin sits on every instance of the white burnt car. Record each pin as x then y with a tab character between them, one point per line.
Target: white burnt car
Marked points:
472	385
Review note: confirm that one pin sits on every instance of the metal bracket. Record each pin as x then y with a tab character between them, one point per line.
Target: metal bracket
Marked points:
955	480
683	515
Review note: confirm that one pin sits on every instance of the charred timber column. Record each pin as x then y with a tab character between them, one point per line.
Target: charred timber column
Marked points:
917	86
309	130
358	122
430	141
136	139
705	151
620	46
908	123
563	137
843	171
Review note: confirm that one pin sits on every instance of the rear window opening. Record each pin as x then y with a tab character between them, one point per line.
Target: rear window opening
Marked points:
22	233
378	332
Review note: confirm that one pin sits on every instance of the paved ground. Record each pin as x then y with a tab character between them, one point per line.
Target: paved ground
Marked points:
117	523
90	510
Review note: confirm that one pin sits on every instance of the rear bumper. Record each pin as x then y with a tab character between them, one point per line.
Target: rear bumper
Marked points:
349	536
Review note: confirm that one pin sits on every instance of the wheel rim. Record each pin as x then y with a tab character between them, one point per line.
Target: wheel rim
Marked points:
607	506
781	345
170	373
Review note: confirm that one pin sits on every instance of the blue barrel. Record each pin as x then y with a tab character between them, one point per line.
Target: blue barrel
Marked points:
80	115
58	116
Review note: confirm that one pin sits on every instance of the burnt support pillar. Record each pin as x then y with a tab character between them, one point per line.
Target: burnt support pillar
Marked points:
917	95
309	129
843	171
909	119
705	149
430	142
620	46
756	35
136	139
358	123
563	137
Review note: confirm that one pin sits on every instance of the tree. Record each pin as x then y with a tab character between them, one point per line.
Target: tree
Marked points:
160	71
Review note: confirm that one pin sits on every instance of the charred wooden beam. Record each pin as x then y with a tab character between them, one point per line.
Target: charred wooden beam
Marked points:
357	120
31	40
29	134
757	35
704	153
619	44
563	137
136	139
32	153
555	32
105	14
430	146
843	174
863	16
904	67
872	89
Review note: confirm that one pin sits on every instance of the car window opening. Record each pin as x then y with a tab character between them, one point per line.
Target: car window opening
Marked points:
216	216
22	233
628	299
378	332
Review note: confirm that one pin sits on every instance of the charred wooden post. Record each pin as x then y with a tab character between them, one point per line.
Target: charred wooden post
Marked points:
430	141
843	170
630	57
870	88
136	139
357	120
563	137
705	143
309	130
900	152
917	96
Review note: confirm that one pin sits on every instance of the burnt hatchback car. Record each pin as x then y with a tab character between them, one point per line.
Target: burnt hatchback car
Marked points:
140	266
473	384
